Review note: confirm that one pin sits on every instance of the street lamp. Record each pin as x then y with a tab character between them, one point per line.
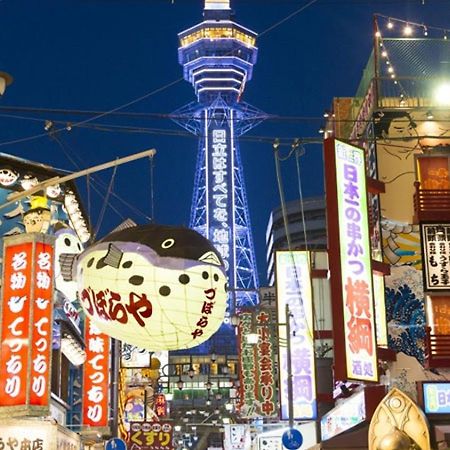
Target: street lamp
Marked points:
5	80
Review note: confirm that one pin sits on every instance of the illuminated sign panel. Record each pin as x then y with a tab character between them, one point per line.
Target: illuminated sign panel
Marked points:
247	366
151	436
436	256
219	179
96	377
294	290
26	323
436	398
343	417
380	310
355	262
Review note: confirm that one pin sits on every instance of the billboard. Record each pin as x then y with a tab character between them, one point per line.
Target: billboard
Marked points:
436	398
294	290
350	263
26	324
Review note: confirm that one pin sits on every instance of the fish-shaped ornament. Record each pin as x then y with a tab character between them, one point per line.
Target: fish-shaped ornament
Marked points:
154	286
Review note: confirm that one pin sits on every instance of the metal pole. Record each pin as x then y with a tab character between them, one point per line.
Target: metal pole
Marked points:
289	369
12	198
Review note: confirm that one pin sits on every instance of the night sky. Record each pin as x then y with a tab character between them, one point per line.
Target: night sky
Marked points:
97	55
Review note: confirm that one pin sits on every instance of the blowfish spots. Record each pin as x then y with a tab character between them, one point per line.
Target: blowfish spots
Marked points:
164	291
184	279
136	280
100	263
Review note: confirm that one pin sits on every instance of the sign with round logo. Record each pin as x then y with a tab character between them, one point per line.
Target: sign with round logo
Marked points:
292	439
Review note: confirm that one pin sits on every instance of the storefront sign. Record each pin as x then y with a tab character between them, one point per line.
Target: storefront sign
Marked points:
436	256
237	437
343	417
150	436
247	366
37	435
26	323
294	289
265	383
96	377
436	398
351	271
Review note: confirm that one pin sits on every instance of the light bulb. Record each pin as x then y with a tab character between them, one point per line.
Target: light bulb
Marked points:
407	31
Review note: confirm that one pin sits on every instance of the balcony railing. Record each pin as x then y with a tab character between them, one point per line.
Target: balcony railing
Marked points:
431	205
437	350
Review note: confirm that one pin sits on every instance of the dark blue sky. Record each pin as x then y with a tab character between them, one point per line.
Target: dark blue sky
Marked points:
100	54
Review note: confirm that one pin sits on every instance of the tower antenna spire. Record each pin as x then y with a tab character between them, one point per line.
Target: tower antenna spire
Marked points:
217	4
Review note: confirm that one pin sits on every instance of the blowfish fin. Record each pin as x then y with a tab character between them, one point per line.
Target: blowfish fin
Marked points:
127	223
66	262
211	258
113	257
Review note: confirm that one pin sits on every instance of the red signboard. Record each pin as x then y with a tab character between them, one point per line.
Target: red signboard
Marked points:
26	323
42	324
96	377
15	323
150	436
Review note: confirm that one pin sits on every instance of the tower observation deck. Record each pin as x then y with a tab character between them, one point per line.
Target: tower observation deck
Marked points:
217	56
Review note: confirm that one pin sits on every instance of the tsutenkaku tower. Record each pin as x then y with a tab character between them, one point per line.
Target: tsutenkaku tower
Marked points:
217	56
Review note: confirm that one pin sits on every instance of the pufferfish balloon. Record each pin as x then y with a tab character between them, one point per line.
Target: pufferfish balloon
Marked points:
153	286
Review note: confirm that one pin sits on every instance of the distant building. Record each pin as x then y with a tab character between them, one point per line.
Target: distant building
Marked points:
315	226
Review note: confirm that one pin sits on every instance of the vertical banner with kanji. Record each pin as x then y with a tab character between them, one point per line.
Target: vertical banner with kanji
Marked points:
294	289
26	324
150	436
160	405
266	382
96	377
350	262
247	366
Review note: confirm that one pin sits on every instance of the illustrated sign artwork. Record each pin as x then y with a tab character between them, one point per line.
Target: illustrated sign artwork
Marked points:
436	398
354	262
436	256
26	322
150	436
294	289
96	377
153	286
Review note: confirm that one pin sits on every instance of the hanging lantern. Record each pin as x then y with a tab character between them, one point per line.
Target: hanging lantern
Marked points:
153	286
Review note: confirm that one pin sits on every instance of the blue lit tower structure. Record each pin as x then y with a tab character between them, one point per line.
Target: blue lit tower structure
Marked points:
218	57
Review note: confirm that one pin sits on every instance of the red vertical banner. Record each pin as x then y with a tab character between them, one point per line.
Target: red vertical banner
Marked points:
15	323
42	324
96	376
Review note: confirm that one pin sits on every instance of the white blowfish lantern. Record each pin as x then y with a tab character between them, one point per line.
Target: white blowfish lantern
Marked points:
153	286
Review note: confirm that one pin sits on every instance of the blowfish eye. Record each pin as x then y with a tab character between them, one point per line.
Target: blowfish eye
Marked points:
168	243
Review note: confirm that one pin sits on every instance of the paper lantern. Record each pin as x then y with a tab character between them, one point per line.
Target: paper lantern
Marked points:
153	286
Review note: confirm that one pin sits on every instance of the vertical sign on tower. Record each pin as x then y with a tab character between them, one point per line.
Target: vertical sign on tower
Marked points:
350	263
96	377
294	289
26	324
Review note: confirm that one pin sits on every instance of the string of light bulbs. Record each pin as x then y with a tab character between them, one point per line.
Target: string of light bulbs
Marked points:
410	29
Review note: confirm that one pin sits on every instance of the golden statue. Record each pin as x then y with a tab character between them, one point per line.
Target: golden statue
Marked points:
398	424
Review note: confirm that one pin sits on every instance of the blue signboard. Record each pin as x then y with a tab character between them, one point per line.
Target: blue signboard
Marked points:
292	439
436	398
116	444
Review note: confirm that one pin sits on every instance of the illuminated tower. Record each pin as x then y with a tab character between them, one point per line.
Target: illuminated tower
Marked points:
217	56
